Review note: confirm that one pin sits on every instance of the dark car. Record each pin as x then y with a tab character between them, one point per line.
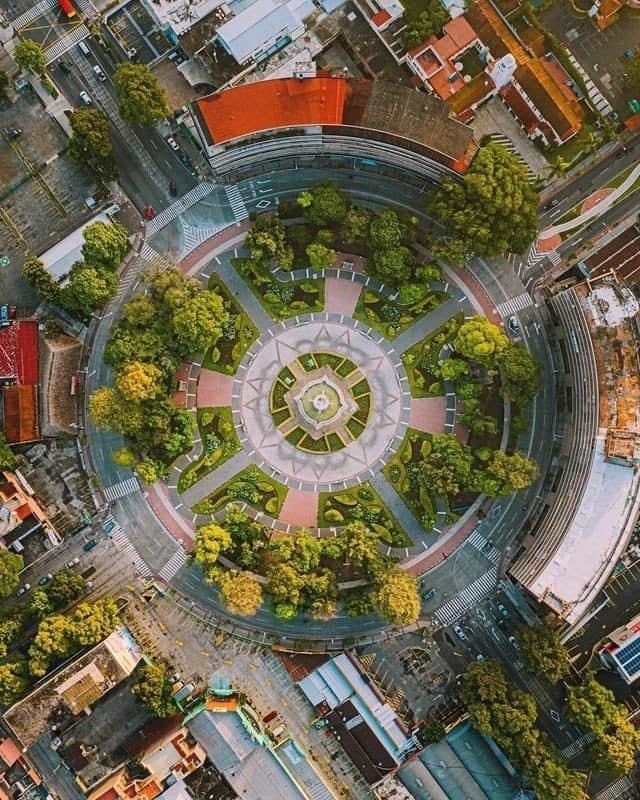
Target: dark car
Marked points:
90	545
184	158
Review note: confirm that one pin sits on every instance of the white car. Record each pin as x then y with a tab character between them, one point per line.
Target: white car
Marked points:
172	143
513	325
459	632
73	563
513	642
97	71
84	96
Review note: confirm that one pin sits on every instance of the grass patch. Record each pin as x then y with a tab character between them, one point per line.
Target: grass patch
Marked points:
403	472
252	486
219	442
361	503
390	318
421	361
280	300
237	335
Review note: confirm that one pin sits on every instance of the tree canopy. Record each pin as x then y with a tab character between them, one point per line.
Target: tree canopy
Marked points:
396	597
425	23
480	340
7	457
211	540
617	741
152	687
198	323
633	70
267	242
11	565
241	594
504	474
491	211
143	99
446	470
323	204
90	145
521	374
320	256
138	381
40	280
542	651
105	244
30	55
88	288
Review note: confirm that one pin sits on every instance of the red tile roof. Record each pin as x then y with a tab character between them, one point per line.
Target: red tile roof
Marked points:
21	413
264	105
381	17
19	351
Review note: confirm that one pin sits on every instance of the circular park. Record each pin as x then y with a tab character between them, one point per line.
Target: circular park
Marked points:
325	408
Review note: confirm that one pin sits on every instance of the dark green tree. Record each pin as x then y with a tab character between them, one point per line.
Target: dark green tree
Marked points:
521	374
493	209
88	288
40	280
7	458
504	474
152	687
425	23
91	144
542	651
11	564
30	55
65	587
143	100
324	205
446	470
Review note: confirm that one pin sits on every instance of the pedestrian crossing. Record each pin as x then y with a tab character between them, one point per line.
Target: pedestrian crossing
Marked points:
554	257
478	541
514	305
236	202
189	199
74	36
39	8
122	489
474	593
194	236
124	545
175	563
578	746
615	790
86	8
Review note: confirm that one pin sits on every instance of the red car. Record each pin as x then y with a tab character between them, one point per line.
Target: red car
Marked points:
149	212
67	8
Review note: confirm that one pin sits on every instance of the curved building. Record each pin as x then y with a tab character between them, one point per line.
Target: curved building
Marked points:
271	123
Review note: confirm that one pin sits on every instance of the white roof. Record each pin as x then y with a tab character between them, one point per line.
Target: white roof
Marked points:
182	15
595	540
60	258
257	24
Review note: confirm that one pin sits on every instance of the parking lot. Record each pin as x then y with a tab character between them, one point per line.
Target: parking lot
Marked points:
601	53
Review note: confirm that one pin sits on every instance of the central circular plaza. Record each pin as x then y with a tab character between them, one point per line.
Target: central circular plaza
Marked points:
322	402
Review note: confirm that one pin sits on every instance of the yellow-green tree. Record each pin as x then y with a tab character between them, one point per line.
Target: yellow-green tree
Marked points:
241	594
211	540
10	566
137	381
396	597
480	340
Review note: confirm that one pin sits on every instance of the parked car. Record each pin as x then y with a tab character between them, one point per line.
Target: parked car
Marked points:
89	545
479	657
513	642
503	611
184	158
23	589
97	71
172	143
513	325
84	96
44	580
459	632
74	562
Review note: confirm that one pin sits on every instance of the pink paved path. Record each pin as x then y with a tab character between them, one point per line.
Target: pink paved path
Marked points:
434	558
214	389
160	502
300	508
341	297
475	288
547	243
595	198
427	414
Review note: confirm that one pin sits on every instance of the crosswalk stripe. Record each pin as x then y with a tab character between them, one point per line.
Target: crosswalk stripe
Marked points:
578	746
464	600
195	236
24	19
554	257
179	207
478	541
236	202
173	565
615	790
55	50
86	7
514	305
128	486
123	541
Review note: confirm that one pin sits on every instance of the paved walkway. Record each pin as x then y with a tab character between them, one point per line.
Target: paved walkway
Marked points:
214	389
341	297
401	512
215	479
431	322
300	509
239	289
161	501
428	413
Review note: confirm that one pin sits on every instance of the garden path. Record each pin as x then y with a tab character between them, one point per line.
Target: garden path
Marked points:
216	478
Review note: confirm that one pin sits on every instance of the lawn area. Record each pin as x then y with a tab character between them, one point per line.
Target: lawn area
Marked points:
403	472
280	300
421	360
361	503
219	442
251	485
237	335
390	318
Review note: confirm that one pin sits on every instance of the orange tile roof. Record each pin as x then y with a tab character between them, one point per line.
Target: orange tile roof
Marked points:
9	751
460	31
279	103
381	17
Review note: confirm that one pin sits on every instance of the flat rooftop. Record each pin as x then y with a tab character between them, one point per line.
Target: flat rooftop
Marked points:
60	258
594	541
334	101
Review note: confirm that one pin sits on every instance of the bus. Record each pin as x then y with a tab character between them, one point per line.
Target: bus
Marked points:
67	8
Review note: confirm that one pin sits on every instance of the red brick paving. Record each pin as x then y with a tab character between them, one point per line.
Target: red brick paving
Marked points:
214	389
160	502
445	548
594	199
427	414
341	297
547	243
300	508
